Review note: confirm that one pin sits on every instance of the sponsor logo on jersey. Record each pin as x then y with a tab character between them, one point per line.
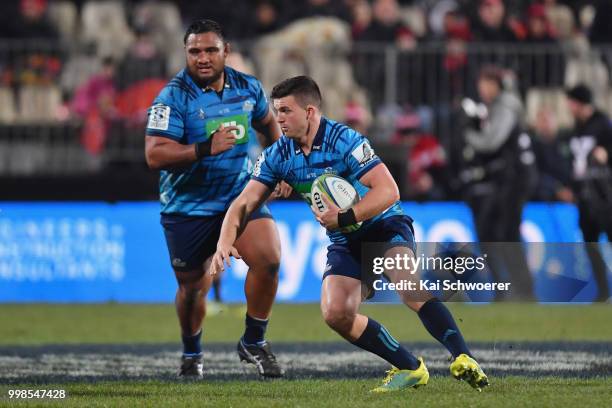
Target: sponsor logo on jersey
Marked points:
241	121
258	163
159	118
248	106
363	154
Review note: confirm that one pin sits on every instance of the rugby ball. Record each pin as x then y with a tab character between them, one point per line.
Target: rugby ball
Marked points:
337	190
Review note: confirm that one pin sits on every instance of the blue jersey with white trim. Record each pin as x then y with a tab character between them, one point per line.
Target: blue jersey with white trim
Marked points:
336	149
189	114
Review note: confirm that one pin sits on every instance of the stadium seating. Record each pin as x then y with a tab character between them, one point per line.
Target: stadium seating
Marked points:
105	23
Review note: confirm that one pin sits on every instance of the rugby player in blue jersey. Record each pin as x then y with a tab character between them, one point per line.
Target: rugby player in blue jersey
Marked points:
197	135
313	145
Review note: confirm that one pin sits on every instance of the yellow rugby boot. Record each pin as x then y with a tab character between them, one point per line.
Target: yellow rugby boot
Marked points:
397	379
467	369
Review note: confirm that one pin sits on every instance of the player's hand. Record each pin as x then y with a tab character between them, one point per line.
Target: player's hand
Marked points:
223	139
329	217
222	257
282	189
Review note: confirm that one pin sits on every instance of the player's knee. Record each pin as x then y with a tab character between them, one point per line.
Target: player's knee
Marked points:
338	318
190	292
267	267
273	268
271	261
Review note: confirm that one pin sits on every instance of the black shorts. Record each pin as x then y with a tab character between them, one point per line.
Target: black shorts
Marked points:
191	240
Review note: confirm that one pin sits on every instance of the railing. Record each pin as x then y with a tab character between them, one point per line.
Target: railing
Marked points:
38	135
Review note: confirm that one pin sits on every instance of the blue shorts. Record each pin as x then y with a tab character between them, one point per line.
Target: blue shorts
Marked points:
191	240
345	259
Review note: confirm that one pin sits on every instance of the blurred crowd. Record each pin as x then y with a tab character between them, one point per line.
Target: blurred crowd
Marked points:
100	62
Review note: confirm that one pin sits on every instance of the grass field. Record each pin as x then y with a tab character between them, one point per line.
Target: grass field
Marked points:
120	323
536	355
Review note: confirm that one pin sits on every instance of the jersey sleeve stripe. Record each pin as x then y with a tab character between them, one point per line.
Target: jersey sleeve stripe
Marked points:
267	183
367	168
188	91
159	133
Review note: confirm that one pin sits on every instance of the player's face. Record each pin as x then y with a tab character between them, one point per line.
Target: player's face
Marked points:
292	118
205	54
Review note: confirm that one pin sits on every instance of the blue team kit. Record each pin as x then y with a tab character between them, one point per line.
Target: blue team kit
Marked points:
194	199
340	150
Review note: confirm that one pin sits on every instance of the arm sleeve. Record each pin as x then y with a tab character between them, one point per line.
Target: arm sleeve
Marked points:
495	132
265	169
359	157
261	102
166	117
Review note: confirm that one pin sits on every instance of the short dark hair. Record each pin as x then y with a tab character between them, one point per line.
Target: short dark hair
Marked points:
492	73
580	93
303	88
204	26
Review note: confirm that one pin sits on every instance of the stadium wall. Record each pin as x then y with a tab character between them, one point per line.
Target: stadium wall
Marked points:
100	252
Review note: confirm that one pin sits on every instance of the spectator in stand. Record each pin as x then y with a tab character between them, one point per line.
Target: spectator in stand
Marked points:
426	158
357	116
361	17
143	60
601	29
236	15
491	24
591	147
546	66
26	19
321	8
455	63
267	18
553	159
387	26
97	92
94	104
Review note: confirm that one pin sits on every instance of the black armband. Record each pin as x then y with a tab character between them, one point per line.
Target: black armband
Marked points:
203	149
346	218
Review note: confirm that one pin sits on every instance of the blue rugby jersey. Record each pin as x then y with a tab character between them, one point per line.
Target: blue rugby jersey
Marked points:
336	149
187	114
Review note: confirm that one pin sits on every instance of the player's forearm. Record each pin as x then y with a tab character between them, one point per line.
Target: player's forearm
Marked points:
270	131
234	222
376	200
274	132
170	156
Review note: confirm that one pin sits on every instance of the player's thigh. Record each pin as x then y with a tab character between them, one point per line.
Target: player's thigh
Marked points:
399	237
411	296
340	296
259	243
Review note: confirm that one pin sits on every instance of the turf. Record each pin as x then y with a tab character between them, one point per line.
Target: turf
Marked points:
42	324
441	392
114	323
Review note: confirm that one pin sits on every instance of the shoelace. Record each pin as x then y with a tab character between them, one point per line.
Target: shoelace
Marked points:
269	356
390	373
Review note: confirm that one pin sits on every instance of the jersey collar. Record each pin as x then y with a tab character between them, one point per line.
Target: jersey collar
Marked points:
226	82
317	143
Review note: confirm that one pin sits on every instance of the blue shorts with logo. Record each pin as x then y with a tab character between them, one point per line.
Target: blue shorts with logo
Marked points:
345	259
191	240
